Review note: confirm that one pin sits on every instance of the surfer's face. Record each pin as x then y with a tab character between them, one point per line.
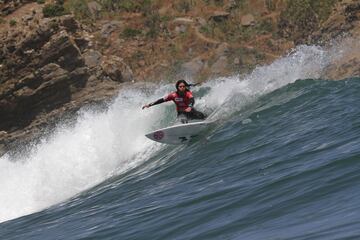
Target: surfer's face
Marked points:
181	87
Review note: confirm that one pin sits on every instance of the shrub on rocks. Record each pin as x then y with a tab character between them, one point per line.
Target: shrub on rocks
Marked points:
53	10
12	22
130	33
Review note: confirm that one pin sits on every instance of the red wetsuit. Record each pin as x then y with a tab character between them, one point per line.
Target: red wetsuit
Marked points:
181	102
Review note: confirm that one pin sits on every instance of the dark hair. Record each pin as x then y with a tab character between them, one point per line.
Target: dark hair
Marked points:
184	82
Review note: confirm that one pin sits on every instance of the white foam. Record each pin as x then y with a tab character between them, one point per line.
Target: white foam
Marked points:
228	95
76	158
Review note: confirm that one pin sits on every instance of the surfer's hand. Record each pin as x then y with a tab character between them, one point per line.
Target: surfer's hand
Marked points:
146	106
188	109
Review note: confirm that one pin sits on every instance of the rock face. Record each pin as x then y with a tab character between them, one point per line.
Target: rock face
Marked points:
45	73
298	27
62	50
10	6
342	25
344	20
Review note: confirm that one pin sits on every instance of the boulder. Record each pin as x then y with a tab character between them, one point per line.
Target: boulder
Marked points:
27	18
110	27
180	29
94	8
247	20
30	80
237	61
232	4
82	43
51	73
219	16
201	21
220	65
3	134
92	58
193	67
222	49
115	68
181	21
37	38
69	23
62	50
78	78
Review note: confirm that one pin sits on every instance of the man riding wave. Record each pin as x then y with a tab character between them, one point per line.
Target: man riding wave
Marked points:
184	100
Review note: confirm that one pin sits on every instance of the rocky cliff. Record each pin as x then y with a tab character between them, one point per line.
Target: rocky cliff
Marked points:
56	57
49	68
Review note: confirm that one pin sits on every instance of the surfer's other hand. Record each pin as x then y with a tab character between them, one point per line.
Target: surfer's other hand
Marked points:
146	106
188	109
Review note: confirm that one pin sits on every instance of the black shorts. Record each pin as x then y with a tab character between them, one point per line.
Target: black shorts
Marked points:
193	114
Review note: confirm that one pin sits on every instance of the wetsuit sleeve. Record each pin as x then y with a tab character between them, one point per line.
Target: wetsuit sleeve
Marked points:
161	100
191	102
164	99
191	99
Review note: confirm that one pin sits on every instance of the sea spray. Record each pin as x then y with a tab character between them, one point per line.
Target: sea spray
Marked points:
78	157
233	93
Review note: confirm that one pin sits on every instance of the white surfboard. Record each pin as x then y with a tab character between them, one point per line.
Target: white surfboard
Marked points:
180	133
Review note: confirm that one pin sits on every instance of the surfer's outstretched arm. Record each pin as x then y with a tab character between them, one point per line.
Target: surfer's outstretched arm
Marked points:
161	100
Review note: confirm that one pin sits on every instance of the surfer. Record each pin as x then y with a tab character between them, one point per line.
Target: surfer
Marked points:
184	100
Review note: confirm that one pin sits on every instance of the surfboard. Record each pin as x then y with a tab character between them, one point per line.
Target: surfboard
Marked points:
180	133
